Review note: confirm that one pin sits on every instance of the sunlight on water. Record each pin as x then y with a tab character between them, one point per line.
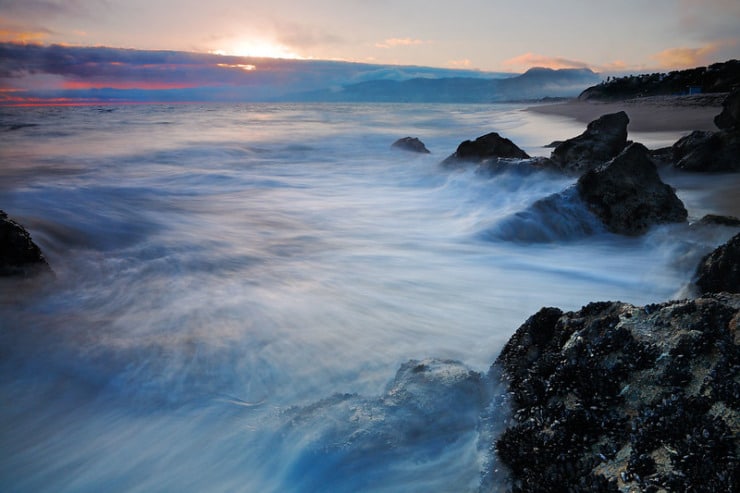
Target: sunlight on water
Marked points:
237	286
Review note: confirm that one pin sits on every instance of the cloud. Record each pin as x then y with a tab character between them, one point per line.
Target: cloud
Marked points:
709	19
394	42
464	63
682	57
35	72
528	60
23	33
35	8
302	37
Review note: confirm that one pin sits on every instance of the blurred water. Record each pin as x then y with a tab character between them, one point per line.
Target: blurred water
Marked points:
236	287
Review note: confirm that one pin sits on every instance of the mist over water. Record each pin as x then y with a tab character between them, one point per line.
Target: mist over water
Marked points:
237	286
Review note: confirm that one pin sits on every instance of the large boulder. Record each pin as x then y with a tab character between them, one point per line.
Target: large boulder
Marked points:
628	195
708	151
730	116
19	255
411	144
616	397
603	139
488	146
720	270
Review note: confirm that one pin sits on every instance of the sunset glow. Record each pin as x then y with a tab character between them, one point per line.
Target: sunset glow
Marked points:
259	49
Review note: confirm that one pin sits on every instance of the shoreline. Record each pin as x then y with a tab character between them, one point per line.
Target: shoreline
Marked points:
651	114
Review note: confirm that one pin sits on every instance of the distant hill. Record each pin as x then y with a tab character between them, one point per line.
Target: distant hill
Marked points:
719	77
536	83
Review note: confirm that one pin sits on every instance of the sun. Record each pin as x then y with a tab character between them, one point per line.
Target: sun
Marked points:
259	49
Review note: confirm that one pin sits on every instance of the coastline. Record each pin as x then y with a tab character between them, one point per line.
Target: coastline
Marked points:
650	114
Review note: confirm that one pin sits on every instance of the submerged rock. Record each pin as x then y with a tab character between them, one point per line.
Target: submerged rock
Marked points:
411	144
488	146
628	195
616	397
432	406
603	139
19	255
720	270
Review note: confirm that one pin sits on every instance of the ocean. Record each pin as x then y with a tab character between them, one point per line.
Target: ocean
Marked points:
237	286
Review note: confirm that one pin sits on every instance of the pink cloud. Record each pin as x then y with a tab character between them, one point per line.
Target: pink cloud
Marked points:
393	42
681	57
529	60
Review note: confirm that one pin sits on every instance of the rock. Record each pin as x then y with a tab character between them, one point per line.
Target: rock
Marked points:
628	195
411	144
603	139
708	151
720	270
730	221
19	255
488	146
730	116
431	407
616	397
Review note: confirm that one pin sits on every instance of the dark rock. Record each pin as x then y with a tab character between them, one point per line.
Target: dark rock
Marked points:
729	221
730	116
708	151
523	166
603	139
622	398
411	144
628	195
720	270
488	146
19	255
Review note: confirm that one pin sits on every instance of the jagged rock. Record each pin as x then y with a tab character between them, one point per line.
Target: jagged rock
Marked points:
708	151
411	144
603	139
730	116
720	270
19	255
488	146
628	195
622	398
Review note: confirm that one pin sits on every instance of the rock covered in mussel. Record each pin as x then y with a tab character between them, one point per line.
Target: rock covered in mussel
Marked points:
616	397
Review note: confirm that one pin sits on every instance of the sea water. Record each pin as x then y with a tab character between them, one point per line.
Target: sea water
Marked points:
237	285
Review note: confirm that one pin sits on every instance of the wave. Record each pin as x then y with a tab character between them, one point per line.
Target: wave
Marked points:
561	216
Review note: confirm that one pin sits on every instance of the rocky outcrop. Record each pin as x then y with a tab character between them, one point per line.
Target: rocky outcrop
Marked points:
488	146
616	397
708	151
720	270
411	144
603	139
628	195
19	255
730	116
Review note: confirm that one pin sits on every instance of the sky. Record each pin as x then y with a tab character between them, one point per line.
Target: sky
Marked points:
483	35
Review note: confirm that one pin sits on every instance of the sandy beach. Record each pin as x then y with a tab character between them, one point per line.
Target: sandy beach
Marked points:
651	114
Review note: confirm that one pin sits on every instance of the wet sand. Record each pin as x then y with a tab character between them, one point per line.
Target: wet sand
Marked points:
651	114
